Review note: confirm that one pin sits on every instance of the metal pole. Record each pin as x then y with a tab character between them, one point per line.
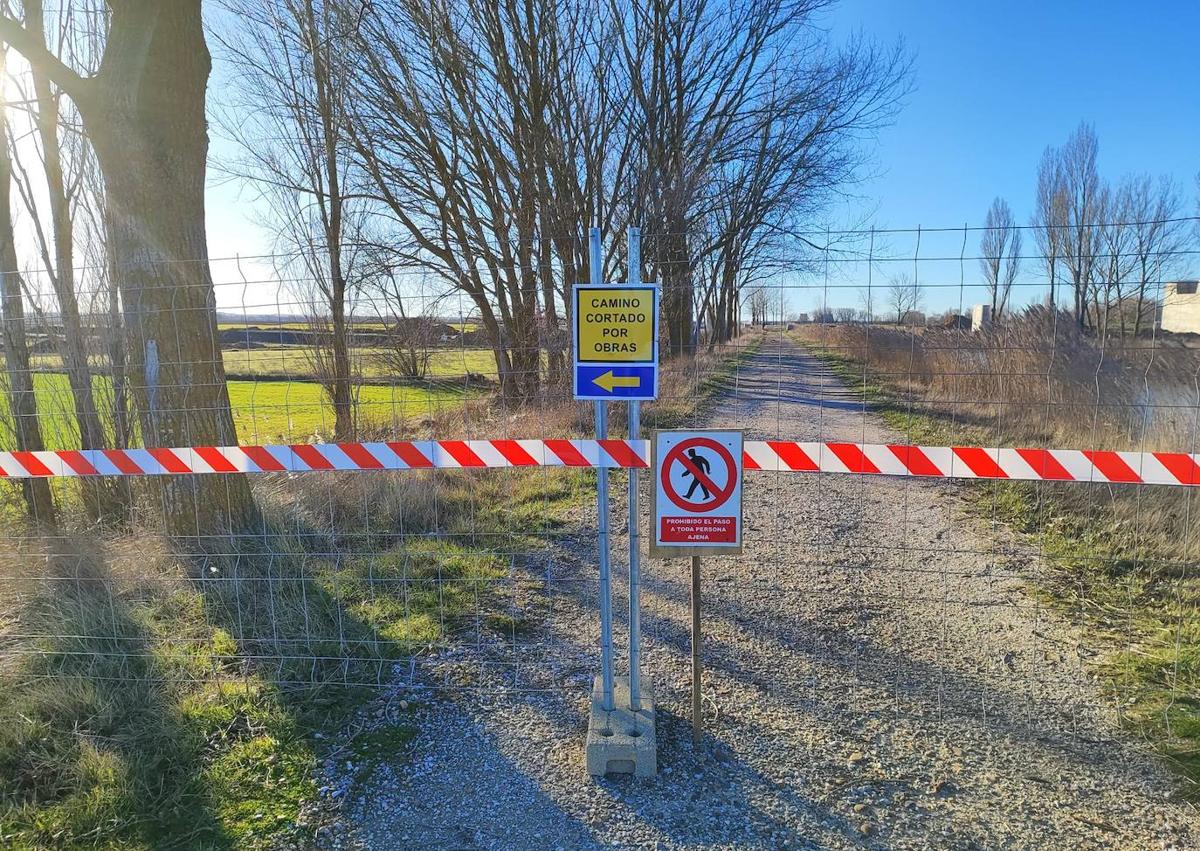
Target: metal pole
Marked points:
606	647
697	713
635	427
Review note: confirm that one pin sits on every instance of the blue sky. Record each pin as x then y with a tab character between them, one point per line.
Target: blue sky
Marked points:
994	84
997	82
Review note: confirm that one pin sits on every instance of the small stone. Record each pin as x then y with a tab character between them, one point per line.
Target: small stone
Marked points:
860	808
856	757
404	704
941	787
866	828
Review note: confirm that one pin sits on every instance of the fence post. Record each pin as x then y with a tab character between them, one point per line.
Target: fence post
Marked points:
634	237
606	648
697	669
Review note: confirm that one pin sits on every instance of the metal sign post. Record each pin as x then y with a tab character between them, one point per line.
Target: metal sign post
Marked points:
606	649
697	710
615	335
635	411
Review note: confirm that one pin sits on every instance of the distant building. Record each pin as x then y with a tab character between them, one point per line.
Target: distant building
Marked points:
1181	307
981	316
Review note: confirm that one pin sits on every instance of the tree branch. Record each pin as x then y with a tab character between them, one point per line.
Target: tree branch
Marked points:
39	56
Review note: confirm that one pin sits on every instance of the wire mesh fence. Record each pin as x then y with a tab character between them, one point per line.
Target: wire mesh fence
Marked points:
1010	611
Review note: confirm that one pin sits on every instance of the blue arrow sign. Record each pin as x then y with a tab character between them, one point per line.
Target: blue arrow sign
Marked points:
615	381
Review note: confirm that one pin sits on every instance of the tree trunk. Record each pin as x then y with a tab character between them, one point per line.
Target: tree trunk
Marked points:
122	427
1143	282
144	113
1053	308
677	296
22	400
98	495
340	391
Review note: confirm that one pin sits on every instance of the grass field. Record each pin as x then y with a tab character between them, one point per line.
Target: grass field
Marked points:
264	411
295	361
369	325
139	719
282	411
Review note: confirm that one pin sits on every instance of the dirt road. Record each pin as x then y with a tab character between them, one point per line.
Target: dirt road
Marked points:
878	675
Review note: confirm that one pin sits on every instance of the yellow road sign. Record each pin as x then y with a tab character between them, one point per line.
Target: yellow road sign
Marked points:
615	325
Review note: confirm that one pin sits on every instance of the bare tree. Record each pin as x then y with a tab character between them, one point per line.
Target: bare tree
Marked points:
904	296
1082	215
746	121
782	160
1000	255
759	300
22	397
1158	240
454	105
290	121
866	297
1050	217
63	190
407	312
1115	260
491	132
143	112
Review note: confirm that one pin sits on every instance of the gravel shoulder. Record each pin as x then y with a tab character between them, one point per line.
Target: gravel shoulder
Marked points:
877	675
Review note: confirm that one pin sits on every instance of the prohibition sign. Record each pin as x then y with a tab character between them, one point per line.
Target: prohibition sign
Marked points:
720	495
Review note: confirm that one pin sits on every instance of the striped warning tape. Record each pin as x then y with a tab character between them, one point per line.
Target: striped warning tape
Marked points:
974	462
957	462
312	457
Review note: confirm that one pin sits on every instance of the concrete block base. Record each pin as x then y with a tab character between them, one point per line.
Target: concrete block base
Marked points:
620	741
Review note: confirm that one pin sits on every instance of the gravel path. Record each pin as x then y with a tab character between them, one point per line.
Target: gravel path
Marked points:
877	676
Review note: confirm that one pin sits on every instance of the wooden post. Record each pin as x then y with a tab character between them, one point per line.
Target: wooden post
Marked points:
697	711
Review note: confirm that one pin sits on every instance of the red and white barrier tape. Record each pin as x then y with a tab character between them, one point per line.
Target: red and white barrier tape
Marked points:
973	462
956	462
311	457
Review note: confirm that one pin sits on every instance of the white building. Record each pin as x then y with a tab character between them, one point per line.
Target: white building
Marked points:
981	316
1181	307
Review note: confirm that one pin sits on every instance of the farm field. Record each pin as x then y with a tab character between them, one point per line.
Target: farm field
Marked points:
297	361
462	326
264	411
367	362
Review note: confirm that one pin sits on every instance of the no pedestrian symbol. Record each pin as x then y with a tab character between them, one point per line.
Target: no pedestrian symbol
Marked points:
698	492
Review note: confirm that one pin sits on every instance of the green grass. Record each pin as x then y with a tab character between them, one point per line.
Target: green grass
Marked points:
270	411
145	727
295	362
137	721
264	411
138	728
1128	586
